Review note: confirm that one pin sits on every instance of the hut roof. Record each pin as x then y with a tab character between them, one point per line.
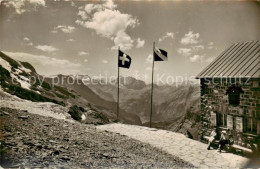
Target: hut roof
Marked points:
238	60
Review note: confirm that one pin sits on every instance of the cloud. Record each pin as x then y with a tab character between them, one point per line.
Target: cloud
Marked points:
104	61
198	47
64	28
46	48
108	22
83	15
110	4
22	6
197	58
82	53
73	4
168	35
123	40
190	38
188	51
211	45
42	60
70	40
27	41
140	43
210	59
36	2
149	59
185	51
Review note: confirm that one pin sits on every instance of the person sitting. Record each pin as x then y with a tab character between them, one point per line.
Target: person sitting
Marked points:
223	140
212	138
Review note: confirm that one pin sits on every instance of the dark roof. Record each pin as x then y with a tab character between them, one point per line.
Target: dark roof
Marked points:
239	60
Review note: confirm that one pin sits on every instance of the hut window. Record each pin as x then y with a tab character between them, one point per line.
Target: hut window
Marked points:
221	119
250	125
233	93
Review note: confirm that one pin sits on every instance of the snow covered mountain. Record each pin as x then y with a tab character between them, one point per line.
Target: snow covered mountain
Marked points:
21	79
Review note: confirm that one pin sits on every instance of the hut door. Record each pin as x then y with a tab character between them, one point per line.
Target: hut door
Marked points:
221	119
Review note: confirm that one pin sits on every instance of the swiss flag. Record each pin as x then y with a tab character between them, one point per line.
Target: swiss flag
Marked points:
124	60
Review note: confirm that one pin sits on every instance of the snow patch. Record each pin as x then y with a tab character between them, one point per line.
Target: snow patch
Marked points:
17	71
25	69
41	108
83	117
24	78
37	92
24	84
5	64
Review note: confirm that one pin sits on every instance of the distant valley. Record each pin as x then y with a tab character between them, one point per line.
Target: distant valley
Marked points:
171	103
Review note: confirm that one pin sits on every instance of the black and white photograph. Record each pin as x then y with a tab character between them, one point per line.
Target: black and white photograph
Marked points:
129	84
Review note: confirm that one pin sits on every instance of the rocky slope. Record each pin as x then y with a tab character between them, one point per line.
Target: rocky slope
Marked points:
21	79
30	140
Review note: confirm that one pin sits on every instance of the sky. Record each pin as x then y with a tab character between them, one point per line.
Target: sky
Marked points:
82	37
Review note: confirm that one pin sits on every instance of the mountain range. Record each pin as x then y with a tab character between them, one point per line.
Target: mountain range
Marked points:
171	103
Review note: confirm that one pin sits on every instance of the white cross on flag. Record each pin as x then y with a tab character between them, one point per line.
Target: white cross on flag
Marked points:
124	60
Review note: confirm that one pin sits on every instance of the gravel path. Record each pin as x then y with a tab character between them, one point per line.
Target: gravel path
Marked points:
31	140
178	145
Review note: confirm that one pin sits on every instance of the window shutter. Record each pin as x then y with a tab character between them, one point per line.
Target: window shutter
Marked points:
213	118
230	122
239	124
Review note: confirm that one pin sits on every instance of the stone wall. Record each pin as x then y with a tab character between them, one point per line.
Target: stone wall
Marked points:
214	100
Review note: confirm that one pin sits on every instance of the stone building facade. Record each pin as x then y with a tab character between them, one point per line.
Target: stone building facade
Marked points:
242	120
230	94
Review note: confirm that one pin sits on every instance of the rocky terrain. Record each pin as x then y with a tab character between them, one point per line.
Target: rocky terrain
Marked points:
31	140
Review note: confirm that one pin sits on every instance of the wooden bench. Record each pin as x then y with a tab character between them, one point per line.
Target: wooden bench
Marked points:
240	150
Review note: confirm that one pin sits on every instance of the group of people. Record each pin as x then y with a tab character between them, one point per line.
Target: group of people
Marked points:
223	140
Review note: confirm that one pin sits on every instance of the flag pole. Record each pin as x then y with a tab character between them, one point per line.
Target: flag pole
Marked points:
118	81
151	113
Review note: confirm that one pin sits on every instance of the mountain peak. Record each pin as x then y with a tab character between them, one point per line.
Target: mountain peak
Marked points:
133	83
